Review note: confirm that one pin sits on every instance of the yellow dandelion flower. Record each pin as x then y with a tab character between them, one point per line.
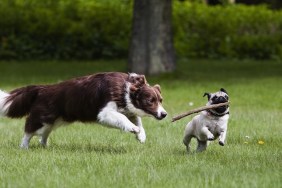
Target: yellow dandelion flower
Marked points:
245	142
260	142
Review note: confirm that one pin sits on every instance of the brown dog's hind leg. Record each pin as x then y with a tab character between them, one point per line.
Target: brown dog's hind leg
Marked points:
26	139
32	124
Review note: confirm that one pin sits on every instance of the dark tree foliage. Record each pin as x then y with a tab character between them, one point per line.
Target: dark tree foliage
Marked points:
276	4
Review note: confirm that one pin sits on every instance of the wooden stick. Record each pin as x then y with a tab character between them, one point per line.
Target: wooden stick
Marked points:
198	110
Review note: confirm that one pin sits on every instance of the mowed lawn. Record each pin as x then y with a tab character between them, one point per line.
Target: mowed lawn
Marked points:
89	155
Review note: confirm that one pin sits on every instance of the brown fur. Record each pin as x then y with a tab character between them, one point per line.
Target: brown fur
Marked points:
79	99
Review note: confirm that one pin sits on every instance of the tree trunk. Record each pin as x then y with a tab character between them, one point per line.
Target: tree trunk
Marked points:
151	49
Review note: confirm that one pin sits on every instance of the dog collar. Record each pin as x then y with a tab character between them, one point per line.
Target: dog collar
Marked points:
216	114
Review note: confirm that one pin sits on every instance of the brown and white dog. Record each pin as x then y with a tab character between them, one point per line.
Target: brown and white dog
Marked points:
114	99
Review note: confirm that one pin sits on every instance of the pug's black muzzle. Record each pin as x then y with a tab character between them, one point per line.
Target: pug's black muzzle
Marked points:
217	100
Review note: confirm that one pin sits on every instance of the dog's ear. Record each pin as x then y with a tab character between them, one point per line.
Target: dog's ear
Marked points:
158	87
207	94
134	91
223	90
137	80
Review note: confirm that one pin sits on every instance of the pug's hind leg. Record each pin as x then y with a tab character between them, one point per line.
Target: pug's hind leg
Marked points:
186	141
202	146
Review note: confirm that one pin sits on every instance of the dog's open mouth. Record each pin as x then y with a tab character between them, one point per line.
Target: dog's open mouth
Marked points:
221	109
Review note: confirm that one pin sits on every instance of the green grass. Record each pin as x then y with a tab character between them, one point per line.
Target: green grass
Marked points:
87	155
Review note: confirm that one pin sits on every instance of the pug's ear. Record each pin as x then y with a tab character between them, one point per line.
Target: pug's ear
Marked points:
223	90
207	94
158	87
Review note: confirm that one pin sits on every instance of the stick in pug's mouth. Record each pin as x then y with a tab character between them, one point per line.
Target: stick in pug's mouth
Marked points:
198	110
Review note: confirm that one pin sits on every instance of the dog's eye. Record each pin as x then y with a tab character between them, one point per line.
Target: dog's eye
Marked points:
161	100
151	100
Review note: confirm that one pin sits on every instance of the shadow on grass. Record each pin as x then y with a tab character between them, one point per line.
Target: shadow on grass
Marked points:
184	152
64	147
180	152
88	148
208	152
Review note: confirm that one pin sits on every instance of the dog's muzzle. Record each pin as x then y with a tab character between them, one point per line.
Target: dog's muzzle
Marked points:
161	116
161	113
219	100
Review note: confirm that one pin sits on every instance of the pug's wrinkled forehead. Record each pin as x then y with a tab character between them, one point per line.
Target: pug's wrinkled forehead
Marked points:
221	93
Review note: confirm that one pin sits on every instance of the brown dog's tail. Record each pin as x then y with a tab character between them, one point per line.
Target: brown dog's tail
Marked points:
18	102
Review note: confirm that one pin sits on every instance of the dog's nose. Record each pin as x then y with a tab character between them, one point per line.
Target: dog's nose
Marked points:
163	114
221	99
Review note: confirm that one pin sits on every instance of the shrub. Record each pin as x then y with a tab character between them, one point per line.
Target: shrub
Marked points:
227	31
84	29
64	29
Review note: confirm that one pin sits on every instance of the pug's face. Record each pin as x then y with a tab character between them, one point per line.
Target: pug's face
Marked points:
219	97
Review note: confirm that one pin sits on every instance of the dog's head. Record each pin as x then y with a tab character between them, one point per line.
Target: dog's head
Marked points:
144	99
219	97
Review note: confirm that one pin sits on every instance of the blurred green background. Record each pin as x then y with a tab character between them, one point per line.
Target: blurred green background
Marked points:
101	29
